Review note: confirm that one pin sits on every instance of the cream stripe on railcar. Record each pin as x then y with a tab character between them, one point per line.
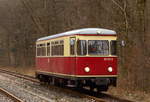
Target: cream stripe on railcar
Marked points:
96	37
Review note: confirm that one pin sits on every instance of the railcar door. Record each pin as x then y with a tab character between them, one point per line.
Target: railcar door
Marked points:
73	55
48	56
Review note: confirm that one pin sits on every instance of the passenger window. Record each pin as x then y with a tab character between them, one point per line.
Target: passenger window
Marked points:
113	47
38	50
43	50
57	48
81	47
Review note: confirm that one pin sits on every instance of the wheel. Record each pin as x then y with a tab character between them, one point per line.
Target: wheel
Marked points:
40	78
91	88
56	82
102	88
50	80
79	85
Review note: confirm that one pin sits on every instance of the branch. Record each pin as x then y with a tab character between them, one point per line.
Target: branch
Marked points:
123	9
117	4
35	19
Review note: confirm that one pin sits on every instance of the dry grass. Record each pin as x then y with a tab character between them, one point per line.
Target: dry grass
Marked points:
137	96
23	70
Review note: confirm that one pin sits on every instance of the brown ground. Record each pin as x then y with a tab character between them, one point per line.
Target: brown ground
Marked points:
136	96
26	70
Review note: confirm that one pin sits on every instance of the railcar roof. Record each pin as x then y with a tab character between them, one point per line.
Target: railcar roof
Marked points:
81	31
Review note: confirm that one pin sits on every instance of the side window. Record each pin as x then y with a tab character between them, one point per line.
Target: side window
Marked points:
48	49
57	48
40	50
37	50
52	48
72	46
43	50
81	47
61	47
113	44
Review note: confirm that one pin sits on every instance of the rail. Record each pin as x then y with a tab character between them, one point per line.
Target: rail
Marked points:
10	95
94	96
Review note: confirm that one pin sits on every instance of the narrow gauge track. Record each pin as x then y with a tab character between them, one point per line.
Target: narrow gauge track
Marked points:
10	95
33	79
102	97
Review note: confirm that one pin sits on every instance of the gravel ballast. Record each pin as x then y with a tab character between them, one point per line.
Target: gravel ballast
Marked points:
34	92
4	98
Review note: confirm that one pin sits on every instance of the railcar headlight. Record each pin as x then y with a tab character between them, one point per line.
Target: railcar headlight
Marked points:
110	69
86	69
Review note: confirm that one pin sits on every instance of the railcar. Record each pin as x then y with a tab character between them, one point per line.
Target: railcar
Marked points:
82	57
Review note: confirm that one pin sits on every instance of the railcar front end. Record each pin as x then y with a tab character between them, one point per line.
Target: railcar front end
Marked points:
96	61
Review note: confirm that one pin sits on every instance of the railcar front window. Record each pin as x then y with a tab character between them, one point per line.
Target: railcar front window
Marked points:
98	47
113	47
81	47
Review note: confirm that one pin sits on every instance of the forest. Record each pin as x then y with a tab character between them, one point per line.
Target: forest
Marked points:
22	22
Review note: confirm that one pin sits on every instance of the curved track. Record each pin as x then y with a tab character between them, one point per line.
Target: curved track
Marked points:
10	95
102	97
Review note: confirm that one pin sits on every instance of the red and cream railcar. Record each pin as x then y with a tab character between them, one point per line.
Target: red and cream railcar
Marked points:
85	57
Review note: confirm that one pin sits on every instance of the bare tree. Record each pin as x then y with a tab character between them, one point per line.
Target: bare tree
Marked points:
123	9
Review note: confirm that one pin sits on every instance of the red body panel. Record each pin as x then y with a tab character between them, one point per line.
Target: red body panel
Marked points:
61	65
97	65
76	65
